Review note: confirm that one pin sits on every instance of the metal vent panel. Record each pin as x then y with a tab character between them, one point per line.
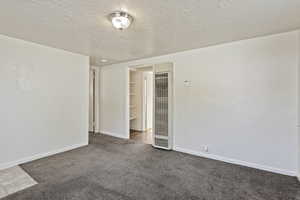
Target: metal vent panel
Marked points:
161	104
161	143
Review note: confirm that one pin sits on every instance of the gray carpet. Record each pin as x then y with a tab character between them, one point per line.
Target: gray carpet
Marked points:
116	169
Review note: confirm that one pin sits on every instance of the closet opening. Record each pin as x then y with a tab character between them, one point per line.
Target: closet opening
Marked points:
141	104
150	105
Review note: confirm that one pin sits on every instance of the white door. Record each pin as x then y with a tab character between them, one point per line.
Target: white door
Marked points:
147	100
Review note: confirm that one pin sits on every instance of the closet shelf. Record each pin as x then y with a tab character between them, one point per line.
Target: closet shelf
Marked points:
133	93
133	117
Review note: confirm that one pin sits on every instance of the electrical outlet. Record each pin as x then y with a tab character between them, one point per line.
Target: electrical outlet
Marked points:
187	83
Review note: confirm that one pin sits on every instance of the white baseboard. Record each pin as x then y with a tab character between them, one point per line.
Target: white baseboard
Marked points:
114	134
237	162
38	156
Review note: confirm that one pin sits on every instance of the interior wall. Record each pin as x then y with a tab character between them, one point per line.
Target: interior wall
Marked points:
44	101
241	104
113	101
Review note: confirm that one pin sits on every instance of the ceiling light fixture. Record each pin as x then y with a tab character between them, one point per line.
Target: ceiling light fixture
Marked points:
120	20
104	60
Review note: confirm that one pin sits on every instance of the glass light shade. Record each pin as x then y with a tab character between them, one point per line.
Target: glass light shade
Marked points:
121	20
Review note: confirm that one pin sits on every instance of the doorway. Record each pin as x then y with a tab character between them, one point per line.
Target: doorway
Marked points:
141	104
93	100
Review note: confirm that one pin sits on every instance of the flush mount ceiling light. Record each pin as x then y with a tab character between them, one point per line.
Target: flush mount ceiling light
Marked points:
104	60
120	20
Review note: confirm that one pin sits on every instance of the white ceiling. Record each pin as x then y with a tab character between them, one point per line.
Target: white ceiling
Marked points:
160	26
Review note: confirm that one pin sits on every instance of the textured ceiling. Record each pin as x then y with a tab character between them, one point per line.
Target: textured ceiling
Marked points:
160	26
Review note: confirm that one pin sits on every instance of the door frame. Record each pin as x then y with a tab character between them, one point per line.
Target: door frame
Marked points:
127	98
145	109
145	101
94	80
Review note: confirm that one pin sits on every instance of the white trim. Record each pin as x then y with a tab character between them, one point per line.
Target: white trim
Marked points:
114	134
237	162
39	156
97	97
144	101
127	103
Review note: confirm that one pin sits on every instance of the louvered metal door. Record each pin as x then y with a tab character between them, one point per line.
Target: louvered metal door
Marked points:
161	110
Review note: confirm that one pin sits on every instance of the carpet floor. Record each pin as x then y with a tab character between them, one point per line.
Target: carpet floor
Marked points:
117	169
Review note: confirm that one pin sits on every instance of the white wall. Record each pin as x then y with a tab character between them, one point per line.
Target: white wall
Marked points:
113	101
43	103
242	103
